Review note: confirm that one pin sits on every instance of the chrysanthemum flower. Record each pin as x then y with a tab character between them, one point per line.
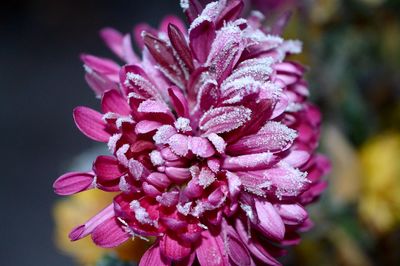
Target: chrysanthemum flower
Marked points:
212	140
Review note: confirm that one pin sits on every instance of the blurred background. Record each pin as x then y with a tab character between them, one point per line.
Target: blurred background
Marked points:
352	48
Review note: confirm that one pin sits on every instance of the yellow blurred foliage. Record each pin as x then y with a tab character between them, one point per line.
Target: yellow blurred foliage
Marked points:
379	205
76	210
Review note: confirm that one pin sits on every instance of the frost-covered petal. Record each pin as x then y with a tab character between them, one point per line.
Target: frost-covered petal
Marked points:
249	162
224	119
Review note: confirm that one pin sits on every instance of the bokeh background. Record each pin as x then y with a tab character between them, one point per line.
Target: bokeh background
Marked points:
352	48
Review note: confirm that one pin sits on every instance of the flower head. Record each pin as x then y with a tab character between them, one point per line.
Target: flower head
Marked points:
212	140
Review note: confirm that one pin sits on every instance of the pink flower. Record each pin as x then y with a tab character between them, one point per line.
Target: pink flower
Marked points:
212	140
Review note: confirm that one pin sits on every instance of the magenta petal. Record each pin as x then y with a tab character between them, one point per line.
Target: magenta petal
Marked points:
86	229
224	119
99	83
134	79
273	137
291	214
103	66
212	252
230	12
255	161
192	9
172	249
225	51
114	102
107	168
254	247
91	124
201	147
109	234
146	126
113	40
181	47
236	249
153	257
179	101
73	182
128	54
179	144
201	37
270	222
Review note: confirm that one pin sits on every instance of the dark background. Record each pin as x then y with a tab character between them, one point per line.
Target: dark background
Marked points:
41	81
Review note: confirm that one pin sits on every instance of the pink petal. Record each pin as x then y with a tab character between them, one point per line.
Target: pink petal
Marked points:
225	52
255	161
201	37
212	252
158	179
179	101
107	168
291	214
179	144
134	79
287	181
128	54
207	95
231	12
109	234
91	124
146	126
103	66
201	147
87	228
297	158
254	247
153	257
99	83
224	119
139	29
164	57
176	174
113	40
273	137
73	182
180	45
270	223
172	20
113	101
192	9
173	250
235	248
